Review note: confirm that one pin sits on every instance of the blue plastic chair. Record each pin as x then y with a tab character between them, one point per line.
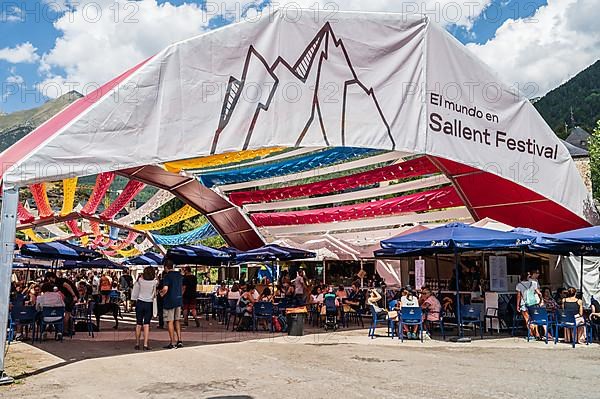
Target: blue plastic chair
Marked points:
233	312
472	314
59	324
376	320
411	316
263	311
439	322
25	316
565	319
538	316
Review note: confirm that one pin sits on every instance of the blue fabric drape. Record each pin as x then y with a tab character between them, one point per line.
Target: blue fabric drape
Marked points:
295	165
202	232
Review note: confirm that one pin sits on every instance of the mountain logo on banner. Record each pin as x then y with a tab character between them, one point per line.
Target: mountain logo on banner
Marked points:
329	100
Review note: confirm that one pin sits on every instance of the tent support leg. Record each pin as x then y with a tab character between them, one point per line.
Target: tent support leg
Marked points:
8	224
581	276
437	269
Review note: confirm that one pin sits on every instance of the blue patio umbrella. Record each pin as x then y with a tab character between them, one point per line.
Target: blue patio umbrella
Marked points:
585	241
198	255
100	263
149	258
58	250
452	238
273	252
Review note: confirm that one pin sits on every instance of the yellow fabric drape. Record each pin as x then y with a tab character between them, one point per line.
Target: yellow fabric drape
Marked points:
69	187
128	253
220	159
35	238
84	240
183	213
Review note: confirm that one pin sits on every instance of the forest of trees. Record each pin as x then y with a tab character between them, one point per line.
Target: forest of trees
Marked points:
581	94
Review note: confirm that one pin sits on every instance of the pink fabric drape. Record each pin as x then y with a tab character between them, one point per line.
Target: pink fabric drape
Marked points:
445	197
103	182
23	214
132	189
40	197
74	227
411	168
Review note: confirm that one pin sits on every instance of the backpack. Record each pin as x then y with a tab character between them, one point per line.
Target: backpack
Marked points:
283	322
276	324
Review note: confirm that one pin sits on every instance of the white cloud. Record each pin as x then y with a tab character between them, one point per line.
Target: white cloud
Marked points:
559	40
11	13
99	40
15	79
22	53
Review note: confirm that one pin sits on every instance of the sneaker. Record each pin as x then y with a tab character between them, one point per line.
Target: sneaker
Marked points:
59	337
179	344
170	346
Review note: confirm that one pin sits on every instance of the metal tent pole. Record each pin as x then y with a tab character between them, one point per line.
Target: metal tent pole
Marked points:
458	310
437	269
581	277
8	224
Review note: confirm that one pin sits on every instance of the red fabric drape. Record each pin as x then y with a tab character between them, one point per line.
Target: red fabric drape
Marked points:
132	188
41	200
23	214
74	227
103	182
423	201
414	167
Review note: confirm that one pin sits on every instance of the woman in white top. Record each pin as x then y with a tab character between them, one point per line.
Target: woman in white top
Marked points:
144	293
234	293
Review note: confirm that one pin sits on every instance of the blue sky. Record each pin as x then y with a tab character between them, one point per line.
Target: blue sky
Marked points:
36	28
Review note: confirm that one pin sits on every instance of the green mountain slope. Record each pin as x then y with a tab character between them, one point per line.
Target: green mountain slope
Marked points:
18	124
581	94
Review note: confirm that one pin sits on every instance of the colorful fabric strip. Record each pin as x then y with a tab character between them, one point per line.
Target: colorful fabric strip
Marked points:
414	167
198	234
294	165
423	201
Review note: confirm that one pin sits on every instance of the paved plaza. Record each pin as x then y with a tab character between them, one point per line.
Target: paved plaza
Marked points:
222	364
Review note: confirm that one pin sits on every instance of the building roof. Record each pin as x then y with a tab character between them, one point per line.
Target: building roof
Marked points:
578	137
576	152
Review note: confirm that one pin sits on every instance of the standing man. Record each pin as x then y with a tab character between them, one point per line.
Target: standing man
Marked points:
126	285
190	289
172	303
299	288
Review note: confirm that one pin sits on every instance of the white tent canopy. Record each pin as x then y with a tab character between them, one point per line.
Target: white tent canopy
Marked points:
385	81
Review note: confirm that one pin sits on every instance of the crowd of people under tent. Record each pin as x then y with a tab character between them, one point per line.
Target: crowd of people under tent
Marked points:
172	298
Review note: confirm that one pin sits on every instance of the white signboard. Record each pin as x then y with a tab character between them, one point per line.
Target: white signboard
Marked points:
419	273
498	277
